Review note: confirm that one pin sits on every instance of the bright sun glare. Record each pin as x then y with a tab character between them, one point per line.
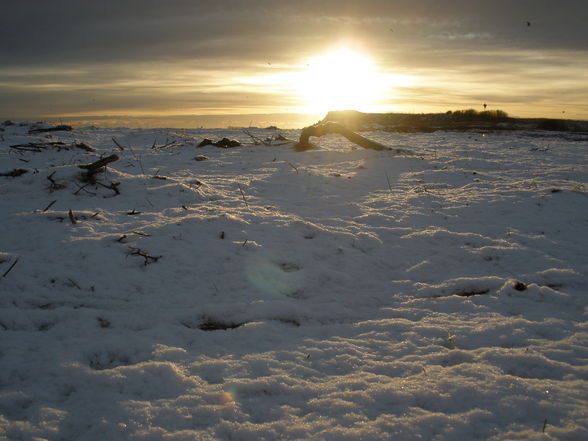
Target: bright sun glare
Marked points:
340	80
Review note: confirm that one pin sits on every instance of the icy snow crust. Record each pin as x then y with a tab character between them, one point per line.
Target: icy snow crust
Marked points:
263	294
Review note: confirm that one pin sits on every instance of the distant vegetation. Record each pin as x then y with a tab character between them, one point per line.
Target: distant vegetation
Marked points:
468	119
474	115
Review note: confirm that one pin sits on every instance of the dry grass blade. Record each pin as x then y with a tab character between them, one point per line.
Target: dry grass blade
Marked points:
243	196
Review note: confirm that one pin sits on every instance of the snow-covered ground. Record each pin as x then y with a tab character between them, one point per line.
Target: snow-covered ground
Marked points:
259	293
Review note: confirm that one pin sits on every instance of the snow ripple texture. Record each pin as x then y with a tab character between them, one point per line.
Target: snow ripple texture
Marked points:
257	293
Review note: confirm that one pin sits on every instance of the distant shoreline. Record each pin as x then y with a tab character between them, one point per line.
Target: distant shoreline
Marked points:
223	121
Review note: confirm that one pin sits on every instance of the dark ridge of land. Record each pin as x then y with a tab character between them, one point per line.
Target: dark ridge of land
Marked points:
452	120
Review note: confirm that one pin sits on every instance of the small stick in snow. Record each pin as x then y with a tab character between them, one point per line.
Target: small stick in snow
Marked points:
73	283
544	425
49	206
104	323
82	188
72	218
389	185
54	185
11	266
148	258
292	165
113	186
117	144
168	143
15	173
243	195
255	139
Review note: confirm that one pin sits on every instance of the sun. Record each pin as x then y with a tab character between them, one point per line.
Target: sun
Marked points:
340	80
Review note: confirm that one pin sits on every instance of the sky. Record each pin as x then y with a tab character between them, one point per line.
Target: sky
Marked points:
147	58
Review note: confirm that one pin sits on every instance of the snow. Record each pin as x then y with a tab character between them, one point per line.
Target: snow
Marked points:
258	293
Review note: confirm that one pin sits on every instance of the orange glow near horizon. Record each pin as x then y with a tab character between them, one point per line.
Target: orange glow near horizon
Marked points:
348	75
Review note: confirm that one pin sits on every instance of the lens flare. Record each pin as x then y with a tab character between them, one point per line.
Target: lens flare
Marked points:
227	400
274	278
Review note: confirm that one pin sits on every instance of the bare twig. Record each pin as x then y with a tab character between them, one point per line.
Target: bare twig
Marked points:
256	140
59	128
54	185
49	206
120	147
72	217
174	143
113	186
148	258
81	188
292	165
83	146
60	145
138	233
37	146
73	282
11	266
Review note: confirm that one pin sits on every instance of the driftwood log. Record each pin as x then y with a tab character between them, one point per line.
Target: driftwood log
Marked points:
321	129
95	167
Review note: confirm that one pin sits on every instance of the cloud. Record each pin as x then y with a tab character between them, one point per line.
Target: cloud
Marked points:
86	49
64	31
